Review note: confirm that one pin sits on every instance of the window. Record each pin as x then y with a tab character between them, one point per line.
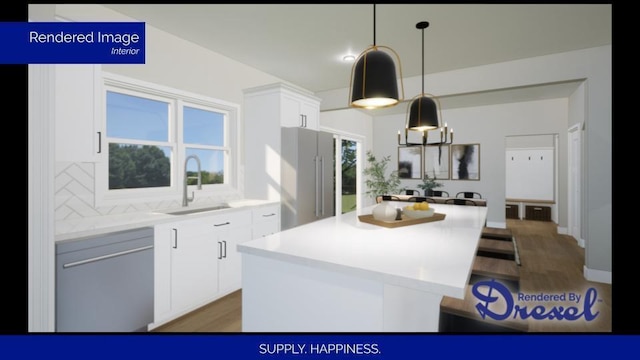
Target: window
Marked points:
138	138
204	137
150	130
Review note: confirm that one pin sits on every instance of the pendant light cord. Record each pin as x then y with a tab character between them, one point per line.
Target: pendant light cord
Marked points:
374	25
423	61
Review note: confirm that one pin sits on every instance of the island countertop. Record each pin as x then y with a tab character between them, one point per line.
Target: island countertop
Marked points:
435	257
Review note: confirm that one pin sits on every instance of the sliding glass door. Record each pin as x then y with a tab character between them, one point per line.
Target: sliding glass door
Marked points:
347	155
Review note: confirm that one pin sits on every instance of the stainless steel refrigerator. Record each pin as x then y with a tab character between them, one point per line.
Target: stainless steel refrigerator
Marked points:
307	176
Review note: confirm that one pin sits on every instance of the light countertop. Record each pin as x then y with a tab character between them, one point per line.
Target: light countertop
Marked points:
435	256
97	225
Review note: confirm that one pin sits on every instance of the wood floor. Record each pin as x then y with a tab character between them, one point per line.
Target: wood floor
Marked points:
550	263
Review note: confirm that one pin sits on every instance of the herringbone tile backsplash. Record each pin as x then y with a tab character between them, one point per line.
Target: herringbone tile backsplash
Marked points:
74	195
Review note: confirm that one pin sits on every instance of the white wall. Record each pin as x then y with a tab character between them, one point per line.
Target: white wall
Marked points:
174	62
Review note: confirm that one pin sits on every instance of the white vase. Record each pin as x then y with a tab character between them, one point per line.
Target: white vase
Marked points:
384	212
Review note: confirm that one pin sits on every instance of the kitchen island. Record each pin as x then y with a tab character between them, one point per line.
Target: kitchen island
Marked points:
343	275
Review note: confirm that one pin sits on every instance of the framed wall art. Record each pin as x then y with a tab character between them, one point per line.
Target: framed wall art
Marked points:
436	161
410	162
465	161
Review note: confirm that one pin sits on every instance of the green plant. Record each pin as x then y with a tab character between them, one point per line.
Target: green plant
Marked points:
377	182
429	184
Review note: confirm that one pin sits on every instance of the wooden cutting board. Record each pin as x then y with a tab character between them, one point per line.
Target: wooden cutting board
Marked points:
404	222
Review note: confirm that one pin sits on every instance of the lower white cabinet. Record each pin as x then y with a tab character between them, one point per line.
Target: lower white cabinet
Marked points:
196	261
229	259
266	220
194	271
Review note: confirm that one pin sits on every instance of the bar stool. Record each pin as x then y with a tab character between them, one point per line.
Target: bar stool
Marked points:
469	195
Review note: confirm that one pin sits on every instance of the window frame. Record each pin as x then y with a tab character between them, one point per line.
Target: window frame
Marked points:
177	99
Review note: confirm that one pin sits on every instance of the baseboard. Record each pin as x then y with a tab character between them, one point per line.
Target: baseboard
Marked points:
565	231
597	275
495	224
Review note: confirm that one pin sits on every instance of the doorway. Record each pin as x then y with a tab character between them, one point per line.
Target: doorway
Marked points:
531	184
347	155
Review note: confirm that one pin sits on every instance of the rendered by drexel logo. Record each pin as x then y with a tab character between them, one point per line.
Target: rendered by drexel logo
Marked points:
497	302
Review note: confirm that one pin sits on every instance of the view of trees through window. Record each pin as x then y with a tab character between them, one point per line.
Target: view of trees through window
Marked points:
135	166
349	178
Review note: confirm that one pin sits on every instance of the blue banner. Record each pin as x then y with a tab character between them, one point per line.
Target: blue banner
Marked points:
316	346
72	43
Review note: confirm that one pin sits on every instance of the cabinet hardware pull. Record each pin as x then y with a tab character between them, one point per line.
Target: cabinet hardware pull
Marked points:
305	120
219	250
317	202
272	214
225	249
537	208
99	142
223	224
322	183
98	258
175	238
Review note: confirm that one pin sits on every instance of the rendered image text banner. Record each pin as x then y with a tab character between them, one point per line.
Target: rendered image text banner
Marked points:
316	346
72	42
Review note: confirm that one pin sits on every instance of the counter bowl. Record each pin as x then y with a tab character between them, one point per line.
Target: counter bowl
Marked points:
417	214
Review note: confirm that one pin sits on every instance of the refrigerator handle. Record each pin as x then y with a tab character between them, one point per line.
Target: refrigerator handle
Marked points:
317	211
322	183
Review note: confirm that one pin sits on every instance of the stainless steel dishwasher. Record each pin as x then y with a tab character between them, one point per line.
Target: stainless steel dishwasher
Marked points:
105	283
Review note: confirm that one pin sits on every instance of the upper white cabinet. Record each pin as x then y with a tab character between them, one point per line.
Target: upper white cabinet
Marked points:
78	129
267	109
299	111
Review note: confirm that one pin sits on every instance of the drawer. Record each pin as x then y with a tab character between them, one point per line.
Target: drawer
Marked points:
265	228
512	211
541	213
232	219
268	213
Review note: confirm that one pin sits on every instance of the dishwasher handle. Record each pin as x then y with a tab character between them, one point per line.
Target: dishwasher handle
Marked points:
104	257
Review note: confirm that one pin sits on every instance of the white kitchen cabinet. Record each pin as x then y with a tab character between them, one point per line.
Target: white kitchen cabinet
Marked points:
186	269
194	271
267	109
266	220
78	113
196	261
229	260
299	111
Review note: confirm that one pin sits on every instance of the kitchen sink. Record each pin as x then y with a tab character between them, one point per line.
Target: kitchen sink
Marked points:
198	210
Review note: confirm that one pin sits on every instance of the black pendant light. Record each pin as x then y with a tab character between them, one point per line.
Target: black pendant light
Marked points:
373	77
423	109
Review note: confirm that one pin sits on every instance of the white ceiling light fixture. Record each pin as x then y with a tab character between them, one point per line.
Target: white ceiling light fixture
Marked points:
349	58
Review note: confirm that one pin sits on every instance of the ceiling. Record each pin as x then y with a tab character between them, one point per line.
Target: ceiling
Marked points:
304	43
